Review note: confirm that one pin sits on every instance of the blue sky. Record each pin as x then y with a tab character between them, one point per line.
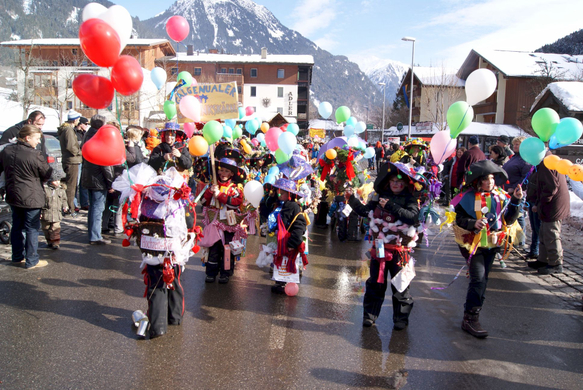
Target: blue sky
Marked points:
369	31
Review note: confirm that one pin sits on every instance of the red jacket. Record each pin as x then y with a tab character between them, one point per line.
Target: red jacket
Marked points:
230	195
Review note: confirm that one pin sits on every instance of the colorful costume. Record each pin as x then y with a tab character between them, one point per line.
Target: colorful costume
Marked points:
394	233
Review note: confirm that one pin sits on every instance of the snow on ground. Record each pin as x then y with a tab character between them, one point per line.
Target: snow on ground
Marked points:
576	199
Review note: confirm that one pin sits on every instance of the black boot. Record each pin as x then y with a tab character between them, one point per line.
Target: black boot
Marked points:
471	324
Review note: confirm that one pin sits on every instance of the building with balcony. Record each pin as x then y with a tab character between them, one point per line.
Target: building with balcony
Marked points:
270	83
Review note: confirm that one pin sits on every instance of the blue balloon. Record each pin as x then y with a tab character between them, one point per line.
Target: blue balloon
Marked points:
348	130
231	123
369	152
241	112
293	128
554	143
158	76
273	171
325	110
251	126
227	132
269	179
351	121
532	150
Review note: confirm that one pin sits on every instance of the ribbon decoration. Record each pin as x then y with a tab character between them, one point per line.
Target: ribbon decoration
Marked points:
401	250
349	168
327	167
449	219
136	200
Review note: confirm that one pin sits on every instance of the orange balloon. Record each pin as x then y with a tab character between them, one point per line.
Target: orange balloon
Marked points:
198	146
264	127
563	166
331	154
246	148
551	161
576	172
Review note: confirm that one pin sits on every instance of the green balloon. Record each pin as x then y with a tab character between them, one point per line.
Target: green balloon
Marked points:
169	109
544	123
187	77
212	132
281	157
342	114
459	116
237	132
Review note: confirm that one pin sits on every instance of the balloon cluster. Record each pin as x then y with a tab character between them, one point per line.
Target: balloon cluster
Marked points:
103	35
480	85
565	167
558	132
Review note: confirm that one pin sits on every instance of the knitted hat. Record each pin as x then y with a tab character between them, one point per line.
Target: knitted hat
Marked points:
72	115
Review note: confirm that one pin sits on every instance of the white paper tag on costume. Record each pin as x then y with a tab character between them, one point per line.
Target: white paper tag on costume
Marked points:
282	275
380	247
223	214
231	218
347	210
402	280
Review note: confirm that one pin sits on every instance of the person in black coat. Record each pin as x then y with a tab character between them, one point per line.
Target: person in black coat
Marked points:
25	169
134	154
97	180
393	201
35	118
172	151
481	215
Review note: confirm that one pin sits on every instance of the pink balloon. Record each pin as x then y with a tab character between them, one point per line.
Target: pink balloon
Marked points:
190	107
255	141
292	289
442	146
249	111
189	128
271	138
177	28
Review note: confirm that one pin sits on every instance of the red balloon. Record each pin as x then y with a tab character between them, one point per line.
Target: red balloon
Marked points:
189	128
99	42
292	289
177	28
94	91
249	111
127	75
105	148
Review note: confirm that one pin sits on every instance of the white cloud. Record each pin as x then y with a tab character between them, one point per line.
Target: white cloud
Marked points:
328	42
313	15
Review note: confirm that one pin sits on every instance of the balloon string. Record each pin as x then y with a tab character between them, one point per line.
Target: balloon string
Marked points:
463	118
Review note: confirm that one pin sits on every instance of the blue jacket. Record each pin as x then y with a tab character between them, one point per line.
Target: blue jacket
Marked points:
516	168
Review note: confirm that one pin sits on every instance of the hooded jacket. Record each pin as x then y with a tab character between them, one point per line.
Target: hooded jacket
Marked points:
25	169
551	196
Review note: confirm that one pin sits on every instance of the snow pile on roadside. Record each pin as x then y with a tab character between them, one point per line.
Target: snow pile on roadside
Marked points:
576	206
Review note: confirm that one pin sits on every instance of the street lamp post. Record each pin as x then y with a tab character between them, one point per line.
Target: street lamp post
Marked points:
383	125
410	39
366	131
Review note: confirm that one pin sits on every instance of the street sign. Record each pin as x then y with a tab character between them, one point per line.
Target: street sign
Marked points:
369	126
399	126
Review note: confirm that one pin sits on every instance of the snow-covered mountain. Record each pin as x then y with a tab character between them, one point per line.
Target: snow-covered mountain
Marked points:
389	72
242	26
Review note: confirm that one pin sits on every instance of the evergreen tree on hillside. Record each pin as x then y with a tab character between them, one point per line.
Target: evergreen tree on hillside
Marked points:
571	44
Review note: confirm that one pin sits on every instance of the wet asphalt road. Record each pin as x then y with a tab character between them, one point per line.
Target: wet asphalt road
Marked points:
69	326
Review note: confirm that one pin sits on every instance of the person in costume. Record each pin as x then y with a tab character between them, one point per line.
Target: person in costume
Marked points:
172	151
483	214
222	201
288	223
415	153
393	212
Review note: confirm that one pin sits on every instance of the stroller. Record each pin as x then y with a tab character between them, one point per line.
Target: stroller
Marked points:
5	225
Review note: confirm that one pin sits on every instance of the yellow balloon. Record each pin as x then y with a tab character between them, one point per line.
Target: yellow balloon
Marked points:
246	148
563	166
331	154
264	127
551	161
576	172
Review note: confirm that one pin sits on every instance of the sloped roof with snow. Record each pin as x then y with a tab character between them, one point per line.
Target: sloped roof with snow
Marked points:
475	128
75	42
525	64
437	76
569	93
245	58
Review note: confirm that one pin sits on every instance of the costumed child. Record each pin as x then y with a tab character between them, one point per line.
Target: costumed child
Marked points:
158	202
172	151
483	214
288	223
393	211
224	225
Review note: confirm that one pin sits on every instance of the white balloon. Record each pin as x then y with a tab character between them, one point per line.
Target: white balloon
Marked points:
353	142
92	11
121	21
253	192
359	127
480	85
325	110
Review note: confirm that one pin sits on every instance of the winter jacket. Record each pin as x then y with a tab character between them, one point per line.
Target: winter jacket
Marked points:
158	162
12	132
95	177
230	195
25	169
500	161
134	155
470	156
552	195
70	148
289	210
517	169
55	200
403	206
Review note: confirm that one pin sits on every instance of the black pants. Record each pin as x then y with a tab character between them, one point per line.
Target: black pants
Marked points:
165	306
480	266
108	219
375	293
216	263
